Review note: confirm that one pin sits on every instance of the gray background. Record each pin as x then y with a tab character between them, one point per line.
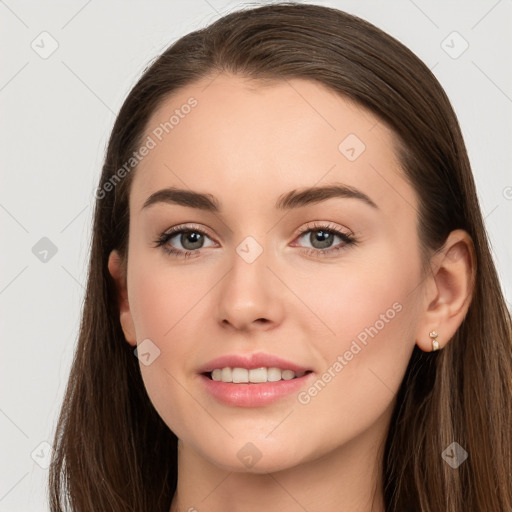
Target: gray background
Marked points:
57	113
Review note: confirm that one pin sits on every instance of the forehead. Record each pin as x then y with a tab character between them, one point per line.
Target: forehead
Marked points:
248	142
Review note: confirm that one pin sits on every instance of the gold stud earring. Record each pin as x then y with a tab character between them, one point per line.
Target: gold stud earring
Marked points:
435	343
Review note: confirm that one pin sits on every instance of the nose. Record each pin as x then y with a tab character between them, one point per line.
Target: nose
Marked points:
249	296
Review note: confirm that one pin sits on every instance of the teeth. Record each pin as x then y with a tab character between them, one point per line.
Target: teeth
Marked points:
240	375
288	374
226	375
217	374
274	374
256	375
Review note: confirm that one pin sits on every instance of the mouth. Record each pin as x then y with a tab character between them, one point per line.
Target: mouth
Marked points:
254	387
253	380
259	375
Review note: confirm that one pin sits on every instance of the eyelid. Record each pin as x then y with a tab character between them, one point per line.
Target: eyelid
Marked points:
326	225
188	227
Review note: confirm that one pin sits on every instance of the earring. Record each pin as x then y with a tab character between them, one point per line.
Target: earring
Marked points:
435	343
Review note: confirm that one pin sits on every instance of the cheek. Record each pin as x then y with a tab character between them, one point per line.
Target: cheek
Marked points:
163	298
371	316
165	304
364	298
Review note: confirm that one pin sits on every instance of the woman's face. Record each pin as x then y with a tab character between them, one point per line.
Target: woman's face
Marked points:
329	282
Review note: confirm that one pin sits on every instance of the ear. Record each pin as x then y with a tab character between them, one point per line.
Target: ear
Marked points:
448	290
117	269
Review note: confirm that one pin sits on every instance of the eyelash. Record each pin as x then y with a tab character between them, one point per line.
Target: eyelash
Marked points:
348	240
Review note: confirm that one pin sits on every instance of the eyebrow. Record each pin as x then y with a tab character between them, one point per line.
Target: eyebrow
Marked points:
290	200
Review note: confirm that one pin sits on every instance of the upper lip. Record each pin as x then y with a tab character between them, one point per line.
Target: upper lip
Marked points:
251	361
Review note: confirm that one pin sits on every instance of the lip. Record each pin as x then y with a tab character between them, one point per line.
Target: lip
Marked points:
252	361
253	394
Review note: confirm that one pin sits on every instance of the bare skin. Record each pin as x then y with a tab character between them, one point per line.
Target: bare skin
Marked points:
248	144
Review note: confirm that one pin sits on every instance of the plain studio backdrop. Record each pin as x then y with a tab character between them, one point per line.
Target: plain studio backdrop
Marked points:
66	69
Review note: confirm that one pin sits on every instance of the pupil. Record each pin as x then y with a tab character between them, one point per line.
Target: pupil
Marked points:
192	237
323	237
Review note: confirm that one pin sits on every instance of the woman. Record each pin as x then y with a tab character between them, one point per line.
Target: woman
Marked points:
287	236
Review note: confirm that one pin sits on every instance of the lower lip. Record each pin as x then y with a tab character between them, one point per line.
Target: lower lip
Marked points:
253	394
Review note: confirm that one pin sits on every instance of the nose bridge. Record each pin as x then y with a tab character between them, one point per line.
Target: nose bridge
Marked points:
249	275
247	293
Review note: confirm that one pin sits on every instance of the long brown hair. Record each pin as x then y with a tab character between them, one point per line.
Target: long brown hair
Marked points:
112	450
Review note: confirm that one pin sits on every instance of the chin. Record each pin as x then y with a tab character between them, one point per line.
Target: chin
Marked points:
254	457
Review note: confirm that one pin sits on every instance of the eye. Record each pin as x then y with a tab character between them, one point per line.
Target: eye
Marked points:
190	238
322	237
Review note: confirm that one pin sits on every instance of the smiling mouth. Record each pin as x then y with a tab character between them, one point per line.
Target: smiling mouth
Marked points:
253	376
